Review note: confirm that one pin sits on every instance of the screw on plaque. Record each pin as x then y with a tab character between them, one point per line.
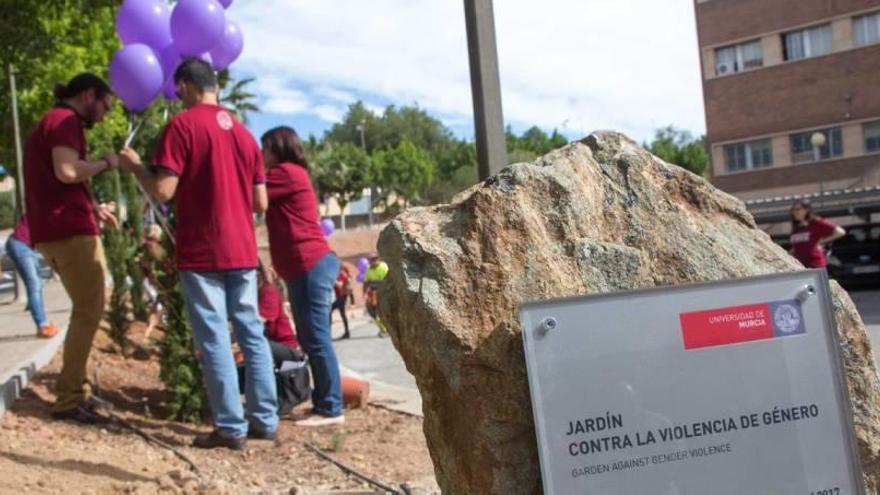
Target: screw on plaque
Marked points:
805	293
548	324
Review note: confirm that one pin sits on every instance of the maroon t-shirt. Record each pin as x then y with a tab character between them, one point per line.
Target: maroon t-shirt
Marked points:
57	210
218	163
296	241
805	242
22	232
277	325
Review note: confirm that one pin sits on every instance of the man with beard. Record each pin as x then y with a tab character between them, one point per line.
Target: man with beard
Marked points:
64	222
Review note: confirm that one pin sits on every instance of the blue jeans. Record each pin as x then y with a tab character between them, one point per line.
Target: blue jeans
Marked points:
311	296
27	264
212	299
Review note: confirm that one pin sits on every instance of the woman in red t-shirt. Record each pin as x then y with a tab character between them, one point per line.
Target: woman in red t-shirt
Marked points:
303	259
809	232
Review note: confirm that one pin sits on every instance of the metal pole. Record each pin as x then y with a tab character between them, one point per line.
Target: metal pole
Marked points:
19	173
360	128
486	87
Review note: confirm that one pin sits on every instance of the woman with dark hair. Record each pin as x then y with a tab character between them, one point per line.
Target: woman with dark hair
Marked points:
809	232
303	259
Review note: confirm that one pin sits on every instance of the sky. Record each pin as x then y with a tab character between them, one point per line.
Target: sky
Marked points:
571	65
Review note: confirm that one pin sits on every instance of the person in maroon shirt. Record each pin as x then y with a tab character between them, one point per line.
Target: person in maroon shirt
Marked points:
809	232
64	225
279	332
342	291
303	259
212	167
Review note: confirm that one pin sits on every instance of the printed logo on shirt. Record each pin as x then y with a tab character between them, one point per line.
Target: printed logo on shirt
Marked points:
224	120
800	237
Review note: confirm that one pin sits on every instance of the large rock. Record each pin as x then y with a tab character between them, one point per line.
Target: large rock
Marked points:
596	216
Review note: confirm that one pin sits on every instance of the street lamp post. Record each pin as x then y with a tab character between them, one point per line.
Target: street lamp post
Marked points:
360	128
19	173
818	140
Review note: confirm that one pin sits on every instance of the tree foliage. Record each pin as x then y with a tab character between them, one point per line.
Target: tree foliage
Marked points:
681	148
405	170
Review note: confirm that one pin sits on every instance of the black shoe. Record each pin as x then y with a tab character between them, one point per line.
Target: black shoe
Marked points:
215	439
84	413
256	432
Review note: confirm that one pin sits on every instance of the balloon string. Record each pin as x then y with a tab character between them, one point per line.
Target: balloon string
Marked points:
157	213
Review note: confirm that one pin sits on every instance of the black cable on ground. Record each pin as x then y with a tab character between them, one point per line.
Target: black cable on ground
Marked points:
356	474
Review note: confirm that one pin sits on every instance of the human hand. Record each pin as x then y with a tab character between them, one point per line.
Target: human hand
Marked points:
105	216
129	159
112	160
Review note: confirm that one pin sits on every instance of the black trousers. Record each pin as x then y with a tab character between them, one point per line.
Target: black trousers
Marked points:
339	304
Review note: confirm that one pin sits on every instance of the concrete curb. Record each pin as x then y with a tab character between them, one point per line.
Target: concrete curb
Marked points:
12	384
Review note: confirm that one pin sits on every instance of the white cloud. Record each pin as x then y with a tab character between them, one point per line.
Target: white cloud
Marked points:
576	65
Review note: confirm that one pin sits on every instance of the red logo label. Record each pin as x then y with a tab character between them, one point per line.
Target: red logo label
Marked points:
726	326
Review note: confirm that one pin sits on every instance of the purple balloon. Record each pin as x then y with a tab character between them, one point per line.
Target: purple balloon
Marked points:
144	21
327	226
197	26
136	76
229	47
170	59
225	3
363	264
361	277
169	90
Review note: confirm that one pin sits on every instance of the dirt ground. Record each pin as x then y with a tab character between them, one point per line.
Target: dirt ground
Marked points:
39	455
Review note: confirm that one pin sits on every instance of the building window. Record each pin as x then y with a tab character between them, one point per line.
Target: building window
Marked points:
866	29
802	145
737	58
748	156
806	43
872	136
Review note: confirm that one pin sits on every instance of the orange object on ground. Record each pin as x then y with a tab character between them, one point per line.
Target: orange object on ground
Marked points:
355	392
48	331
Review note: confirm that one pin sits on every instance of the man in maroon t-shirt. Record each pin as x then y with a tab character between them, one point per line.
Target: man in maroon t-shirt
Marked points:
212	167
64	223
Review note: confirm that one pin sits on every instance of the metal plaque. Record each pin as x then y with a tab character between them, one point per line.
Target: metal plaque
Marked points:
733	387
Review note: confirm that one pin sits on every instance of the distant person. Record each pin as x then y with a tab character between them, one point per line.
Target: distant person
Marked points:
373	280
212	167
303	259
64	225
342	290
276	326
152	252
27	264
809	233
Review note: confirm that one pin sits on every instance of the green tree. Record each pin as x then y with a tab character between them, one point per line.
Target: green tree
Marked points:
342	170
235	96
679	147
533	143
406	170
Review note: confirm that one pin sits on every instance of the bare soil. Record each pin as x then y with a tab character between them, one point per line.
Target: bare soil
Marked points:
39	455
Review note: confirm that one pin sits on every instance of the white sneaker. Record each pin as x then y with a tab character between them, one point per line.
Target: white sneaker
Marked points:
316	420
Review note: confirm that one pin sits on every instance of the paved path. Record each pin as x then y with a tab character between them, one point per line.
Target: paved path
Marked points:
376	360
21	352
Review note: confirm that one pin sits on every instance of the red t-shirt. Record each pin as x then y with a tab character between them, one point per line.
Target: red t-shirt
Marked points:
339	287
22	232
277	325
57	210
296	241
218	163
805	242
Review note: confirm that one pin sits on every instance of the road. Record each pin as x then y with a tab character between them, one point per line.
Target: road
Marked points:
868	302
